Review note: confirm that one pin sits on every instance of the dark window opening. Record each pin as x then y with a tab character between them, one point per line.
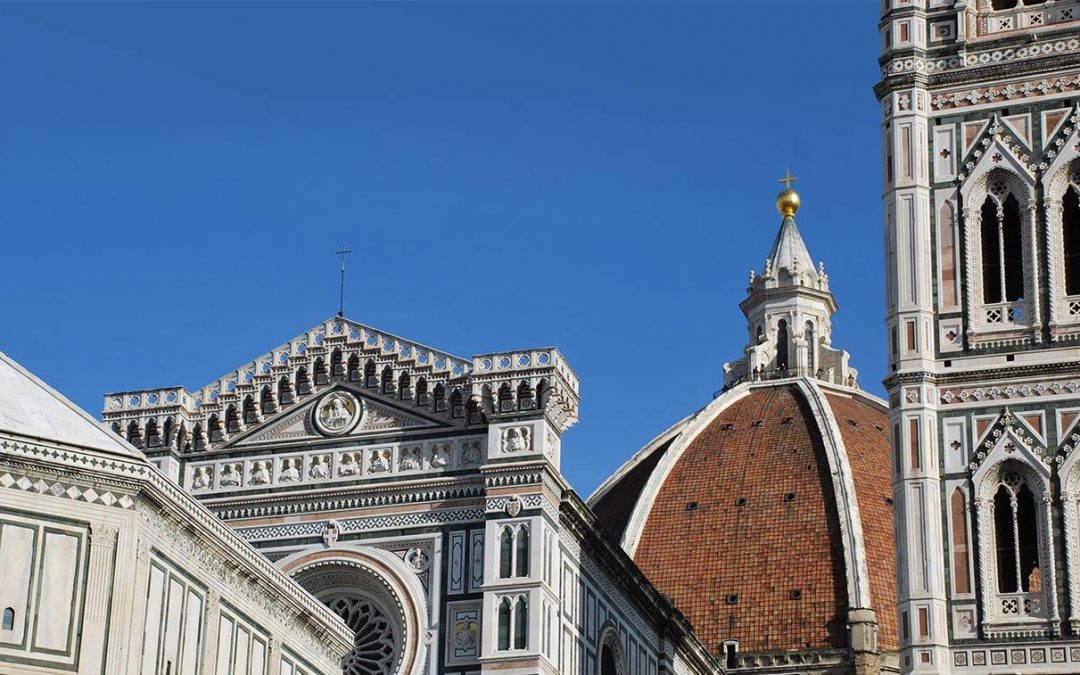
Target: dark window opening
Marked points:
781	345
506	552
521	624
607	662
691	506
731	599
789	497
1070	233
795	594
9	618
504	624
522	553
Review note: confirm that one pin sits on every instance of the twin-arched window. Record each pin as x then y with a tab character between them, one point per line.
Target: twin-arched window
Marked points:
514	551
1016	536
1070	235
1001	246
513	628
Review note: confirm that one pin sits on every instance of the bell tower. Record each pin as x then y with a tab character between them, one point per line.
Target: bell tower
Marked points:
981	189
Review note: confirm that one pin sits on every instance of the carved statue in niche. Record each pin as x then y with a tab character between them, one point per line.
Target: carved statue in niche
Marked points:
348	466
516	439
260	475
320	466
470	456
290	469
410	459
202	478
230	475
380	461
417	560
440	455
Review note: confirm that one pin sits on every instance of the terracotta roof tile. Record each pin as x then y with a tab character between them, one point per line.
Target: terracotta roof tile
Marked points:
700	546
867	444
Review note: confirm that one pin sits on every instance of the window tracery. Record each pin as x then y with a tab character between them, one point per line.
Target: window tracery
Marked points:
1015	559
374	651
513	623
514	551
999	266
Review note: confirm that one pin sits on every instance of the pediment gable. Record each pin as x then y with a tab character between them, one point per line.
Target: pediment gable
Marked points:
378	418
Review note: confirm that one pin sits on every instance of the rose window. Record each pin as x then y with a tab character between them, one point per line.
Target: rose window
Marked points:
373	651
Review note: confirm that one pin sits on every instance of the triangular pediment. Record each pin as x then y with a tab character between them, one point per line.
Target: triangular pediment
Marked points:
378	418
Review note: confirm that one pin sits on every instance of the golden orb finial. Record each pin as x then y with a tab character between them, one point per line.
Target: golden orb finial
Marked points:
787	202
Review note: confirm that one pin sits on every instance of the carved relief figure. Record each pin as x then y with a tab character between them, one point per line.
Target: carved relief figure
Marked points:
410	459
320	466
348	466
203	477
440	455
380	461
336	413
230	475
260	475
516	439
290	470
470	456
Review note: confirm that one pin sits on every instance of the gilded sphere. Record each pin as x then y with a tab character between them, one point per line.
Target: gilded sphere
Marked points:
787	202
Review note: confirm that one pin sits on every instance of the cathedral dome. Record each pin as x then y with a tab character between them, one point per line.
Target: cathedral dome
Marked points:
767	517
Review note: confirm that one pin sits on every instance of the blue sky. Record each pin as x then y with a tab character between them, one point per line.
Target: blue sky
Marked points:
175	179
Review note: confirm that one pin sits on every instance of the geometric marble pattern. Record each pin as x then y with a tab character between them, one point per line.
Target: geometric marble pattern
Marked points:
362	524
58	489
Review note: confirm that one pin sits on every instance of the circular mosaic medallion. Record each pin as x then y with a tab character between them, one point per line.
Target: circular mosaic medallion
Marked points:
337	413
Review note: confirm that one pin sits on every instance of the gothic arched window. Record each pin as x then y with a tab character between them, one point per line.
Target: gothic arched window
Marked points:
781	345
506	553
1001	246
388	380
1070	234
1016	536
266	400
369	374
504	624
354	368
521	623
522	552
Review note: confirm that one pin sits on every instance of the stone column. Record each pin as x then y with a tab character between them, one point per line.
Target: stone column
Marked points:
99	591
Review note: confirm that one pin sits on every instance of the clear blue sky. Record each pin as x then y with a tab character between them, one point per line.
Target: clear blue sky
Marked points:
175	179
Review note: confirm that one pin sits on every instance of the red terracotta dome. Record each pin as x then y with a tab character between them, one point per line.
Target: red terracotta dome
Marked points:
767	516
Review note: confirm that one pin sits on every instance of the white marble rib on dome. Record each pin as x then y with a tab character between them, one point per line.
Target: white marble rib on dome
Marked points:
32	409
